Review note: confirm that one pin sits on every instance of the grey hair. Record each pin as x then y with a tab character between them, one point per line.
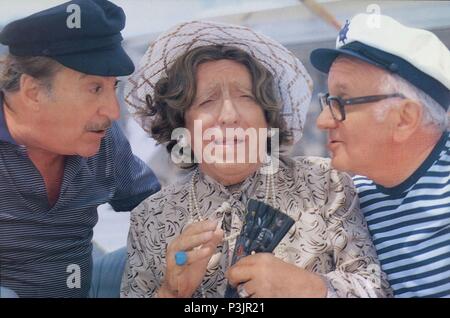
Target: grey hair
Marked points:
433	113
13	67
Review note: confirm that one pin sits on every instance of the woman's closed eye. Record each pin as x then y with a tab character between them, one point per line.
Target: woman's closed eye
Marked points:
247	96
206	102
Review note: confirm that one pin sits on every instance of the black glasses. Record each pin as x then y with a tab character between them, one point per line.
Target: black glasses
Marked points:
336	104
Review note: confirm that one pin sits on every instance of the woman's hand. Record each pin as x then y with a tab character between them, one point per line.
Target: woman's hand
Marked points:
199	240
264	275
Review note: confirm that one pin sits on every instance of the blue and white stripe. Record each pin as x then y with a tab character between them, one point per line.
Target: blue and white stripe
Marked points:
410	226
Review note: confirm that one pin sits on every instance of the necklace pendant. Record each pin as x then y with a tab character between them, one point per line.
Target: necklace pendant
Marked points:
214	261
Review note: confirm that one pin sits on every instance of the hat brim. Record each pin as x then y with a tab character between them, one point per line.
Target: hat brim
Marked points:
108	62
322	59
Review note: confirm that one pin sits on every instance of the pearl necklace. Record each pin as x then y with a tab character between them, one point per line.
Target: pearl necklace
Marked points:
193	208
269	198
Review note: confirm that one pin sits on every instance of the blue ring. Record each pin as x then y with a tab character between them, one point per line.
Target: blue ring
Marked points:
180	258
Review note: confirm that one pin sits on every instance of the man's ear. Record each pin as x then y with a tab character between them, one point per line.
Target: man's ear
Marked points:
408	119
31	92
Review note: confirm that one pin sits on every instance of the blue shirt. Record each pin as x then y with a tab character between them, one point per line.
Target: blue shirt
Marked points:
43	247
410	226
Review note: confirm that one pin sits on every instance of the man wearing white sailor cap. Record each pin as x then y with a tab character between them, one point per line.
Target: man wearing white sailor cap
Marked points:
386	115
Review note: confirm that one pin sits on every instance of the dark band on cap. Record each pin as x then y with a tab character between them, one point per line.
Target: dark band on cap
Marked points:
322	59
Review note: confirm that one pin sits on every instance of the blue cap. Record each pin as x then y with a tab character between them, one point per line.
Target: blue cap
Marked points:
416	55
90	45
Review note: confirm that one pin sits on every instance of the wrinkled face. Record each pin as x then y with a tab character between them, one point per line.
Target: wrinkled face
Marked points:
224	101
358	144
73	118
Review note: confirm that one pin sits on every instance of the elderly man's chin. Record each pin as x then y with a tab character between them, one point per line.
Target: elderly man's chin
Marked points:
88	149
340	162
89	144
336	159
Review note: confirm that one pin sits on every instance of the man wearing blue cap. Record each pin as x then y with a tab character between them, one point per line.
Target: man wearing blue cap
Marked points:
386	114
61	154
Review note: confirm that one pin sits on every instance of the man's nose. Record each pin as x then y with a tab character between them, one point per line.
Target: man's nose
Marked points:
228	113
110	107
326	120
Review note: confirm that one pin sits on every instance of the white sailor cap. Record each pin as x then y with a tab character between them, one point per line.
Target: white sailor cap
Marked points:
416	55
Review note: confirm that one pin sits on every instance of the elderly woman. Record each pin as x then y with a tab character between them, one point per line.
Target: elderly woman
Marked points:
209	76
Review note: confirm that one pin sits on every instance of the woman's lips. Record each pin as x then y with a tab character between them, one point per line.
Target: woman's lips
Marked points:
228	142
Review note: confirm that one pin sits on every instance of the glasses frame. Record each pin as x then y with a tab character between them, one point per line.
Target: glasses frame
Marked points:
325	100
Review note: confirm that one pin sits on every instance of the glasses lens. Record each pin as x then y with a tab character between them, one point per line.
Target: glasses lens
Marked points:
335	109
322	101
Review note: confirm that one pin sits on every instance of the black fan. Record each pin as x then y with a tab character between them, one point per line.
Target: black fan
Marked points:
264	227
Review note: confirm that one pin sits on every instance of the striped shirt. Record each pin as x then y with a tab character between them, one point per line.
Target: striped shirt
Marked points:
44	249
410	226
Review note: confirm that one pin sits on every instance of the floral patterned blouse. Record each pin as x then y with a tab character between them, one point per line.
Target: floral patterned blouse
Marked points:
329	236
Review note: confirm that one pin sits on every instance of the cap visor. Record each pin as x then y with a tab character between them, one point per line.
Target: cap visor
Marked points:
322	59
109	62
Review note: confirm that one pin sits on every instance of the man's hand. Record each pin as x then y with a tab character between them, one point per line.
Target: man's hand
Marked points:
264	275
199	240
